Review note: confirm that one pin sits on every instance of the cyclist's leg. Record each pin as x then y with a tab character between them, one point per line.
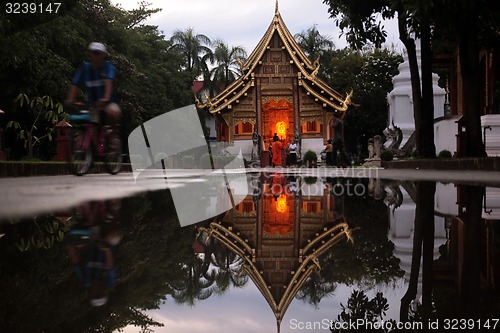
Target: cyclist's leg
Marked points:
113	116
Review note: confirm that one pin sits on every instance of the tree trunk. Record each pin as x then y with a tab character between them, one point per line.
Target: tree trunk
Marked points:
427	146
468	49
409	43
423	234
471	265
425	212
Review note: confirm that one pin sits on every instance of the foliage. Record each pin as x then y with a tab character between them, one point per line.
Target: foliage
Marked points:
387	155
42	232
310	156
425	20
42	116
227	60
194	49
369	311
369	74
41	281
41	60
313	43
310	180
444	154
370	260
205	161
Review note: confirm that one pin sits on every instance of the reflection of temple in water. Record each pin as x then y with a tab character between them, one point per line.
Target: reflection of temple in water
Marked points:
280	232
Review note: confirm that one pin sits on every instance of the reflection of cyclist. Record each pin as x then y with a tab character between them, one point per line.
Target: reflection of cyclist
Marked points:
91	245
96	77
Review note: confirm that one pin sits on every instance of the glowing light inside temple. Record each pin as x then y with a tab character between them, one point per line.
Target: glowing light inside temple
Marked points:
281	129
281	204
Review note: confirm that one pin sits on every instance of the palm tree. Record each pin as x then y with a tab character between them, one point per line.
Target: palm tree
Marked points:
226	59
192	285
195	48
313	43
315	288
227	268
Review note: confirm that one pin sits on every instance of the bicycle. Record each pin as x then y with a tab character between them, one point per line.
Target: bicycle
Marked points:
90	140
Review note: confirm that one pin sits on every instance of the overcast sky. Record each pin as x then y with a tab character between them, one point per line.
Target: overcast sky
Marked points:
244	22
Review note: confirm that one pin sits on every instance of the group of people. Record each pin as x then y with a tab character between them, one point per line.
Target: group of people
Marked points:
277	148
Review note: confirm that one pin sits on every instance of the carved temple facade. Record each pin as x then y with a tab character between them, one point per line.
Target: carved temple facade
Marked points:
278	92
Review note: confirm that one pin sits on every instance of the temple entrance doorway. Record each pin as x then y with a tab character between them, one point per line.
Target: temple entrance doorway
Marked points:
277	117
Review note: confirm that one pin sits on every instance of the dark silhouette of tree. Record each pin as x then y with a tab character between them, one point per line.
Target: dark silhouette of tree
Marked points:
226	268
193	47
313	43
360	307
226	59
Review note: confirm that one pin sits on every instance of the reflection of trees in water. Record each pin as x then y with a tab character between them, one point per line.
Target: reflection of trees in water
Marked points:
193	284
213	272
41	294
442	298
226	267
315	288
366	262
360	309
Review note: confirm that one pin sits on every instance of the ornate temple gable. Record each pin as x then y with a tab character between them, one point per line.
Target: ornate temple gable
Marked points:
278	60
279	295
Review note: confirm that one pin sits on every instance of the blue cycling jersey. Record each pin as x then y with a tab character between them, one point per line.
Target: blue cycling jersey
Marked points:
93	80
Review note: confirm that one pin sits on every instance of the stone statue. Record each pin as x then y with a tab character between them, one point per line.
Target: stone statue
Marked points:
371	149
377	145
256	146
394	136
374	147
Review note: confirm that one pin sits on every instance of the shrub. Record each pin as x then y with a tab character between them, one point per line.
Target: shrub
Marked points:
205	161
445	154
158	158
188	162
310	156
310	159
310	180
387	155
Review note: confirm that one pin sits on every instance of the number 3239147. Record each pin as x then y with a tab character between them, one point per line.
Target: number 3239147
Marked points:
32	8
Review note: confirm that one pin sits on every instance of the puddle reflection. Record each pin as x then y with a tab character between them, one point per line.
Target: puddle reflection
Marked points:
314	242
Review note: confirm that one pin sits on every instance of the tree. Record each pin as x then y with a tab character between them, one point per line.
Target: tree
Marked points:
369	74
313	43
360	308
226	60
469	25
362	25
193	47
41	61
227	267
41	117
472	26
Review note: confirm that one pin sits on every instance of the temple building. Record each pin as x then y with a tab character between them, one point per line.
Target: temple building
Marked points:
279	92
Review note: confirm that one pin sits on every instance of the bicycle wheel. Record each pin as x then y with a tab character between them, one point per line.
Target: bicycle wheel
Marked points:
113	158
81	157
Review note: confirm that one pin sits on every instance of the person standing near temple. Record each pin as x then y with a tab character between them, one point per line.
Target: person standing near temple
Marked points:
338	137
329	153
292	148
277	148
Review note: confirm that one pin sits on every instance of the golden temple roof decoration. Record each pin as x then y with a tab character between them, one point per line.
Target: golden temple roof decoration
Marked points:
306	70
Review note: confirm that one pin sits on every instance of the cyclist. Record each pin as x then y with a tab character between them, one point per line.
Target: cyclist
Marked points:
96	77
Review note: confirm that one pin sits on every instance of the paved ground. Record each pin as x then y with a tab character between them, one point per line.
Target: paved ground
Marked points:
25	196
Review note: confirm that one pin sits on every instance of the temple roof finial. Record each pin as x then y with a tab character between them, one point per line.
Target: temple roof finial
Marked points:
276	9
